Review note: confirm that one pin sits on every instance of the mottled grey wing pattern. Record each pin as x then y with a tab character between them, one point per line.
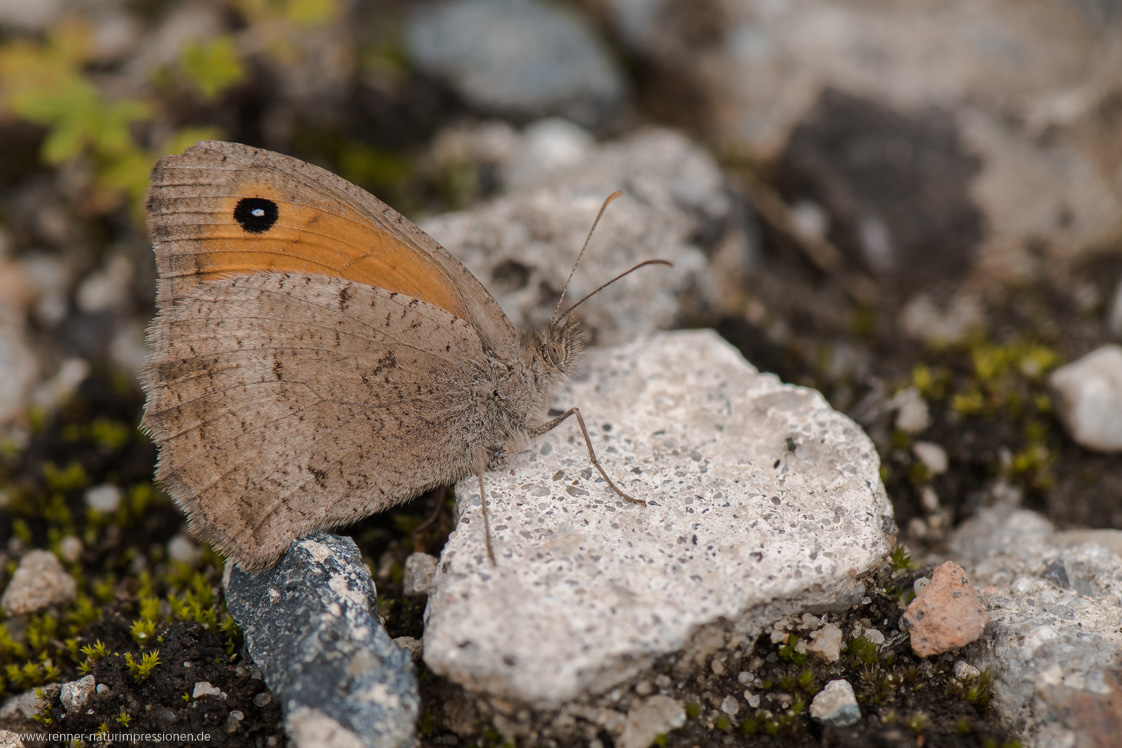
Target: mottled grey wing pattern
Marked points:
283	403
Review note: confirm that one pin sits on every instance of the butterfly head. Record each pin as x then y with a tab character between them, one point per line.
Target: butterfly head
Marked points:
556	349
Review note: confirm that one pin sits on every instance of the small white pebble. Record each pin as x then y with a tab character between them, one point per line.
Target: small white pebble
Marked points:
204	688
963	670
730	706
105	498
70	548
933	456
874	636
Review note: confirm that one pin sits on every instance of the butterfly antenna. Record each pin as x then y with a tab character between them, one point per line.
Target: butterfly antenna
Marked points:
587	239
602	286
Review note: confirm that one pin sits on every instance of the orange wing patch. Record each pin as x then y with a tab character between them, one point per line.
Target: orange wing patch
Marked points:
261	230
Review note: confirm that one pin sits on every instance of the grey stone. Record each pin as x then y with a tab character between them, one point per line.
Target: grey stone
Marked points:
762	501
310	624
1053	651
39	582
522	247
29	703
1027	100
10	739
75	693
518	57
836	705
419	568
1089	398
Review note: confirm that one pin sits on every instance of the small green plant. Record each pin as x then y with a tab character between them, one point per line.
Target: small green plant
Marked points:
900	559
143	631
123	718
142	669
95	651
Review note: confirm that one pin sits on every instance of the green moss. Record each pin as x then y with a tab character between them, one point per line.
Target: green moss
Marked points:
789	651
69	479
143	631
41	631
141	669
900	560
918	722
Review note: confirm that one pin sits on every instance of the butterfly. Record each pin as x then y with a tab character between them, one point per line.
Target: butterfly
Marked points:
317	358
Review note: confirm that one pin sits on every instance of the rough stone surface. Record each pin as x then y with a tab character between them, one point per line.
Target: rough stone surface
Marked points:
1053	650
1089	398
10	740
29	703
945	614
649	718
675	206
836	705
1025	95
39	582
762	501
75	693
518	57
419	568
310	624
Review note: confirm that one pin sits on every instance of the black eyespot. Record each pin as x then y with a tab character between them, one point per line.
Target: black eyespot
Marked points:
255	214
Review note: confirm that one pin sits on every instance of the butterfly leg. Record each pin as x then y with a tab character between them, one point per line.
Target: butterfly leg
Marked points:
480	463
554	422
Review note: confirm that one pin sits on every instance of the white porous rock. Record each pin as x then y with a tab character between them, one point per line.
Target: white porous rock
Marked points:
1053	642
1089	398
762	502
522	246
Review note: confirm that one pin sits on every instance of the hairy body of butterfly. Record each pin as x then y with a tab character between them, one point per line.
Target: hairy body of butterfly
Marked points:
317	358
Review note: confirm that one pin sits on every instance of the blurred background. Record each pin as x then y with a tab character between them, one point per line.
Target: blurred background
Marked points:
927	202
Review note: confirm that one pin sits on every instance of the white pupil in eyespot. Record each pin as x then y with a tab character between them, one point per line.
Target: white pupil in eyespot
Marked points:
258	212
